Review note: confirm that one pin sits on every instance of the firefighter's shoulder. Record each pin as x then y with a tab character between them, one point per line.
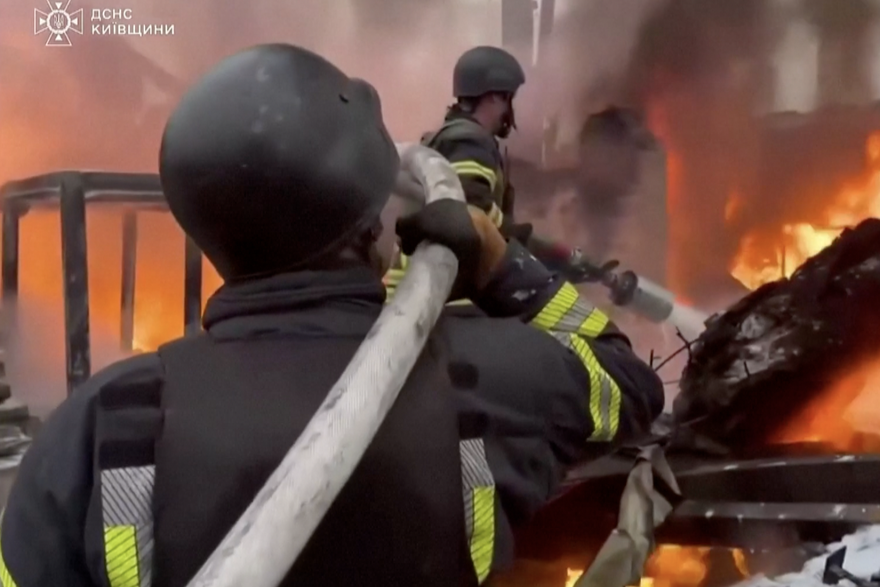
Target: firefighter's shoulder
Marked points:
470	141
50	505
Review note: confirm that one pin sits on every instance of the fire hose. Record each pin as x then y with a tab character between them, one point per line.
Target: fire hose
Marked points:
266	541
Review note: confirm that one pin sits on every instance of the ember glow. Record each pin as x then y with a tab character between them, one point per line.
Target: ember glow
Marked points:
675	566
158	278
764	257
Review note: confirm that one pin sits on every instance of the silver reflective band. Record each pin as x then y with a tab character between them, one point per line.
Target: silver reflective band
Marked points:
126	501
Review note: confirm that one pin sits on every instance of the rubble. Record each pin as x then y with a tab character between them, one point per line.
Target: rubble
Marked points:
768	355
862	560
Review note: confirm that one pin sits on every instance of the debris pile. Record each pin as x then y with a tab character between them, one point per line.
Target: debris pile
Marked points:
857	557
781	346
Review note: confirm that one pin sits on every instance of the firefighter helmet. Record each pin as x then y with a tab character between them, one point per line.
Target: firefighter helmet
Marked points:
274	158
483	70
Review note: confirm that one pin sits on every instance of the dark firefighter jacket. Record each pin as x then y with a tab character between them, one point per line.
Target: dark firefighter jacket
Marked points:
135	479
473	152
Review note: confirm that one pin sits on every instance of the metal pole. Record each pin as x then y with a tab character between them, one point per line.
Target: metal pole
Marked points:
76	279
9	271
11	225
129	263
192	289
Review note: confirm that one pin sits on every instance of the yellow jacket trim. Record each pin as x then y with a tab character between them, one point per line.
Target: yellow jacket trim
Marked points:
574	323
478	488
121	553
126	504
474	169
6	579
605	397
393	277
567	312
482	542
495	215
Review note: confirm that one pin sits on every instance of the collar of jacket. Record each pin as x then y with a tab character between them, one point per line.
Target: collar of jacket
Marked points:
289	292
458	113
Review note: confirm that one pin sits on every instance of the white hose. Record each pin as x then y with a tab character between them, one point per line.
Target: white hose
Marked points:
265	542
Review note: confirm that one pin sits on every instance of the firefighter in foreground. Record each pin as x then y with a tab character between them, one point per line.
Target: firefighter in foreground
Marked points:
485	81
278	165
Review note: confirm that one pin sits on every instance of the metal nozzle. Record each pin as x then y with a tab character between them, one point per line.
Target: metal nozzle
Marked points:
640	295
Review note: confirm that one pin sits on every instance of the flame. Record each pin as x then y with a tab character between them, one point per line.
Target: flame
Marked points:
672	565
763	257
844	416
158	311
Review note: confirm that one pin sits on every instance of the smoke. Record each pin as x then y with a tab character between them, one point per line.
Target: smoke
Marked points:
35	353
704	74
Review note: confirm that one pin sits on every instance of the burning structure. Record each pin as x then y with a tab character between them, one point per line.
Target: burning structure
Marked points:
745	191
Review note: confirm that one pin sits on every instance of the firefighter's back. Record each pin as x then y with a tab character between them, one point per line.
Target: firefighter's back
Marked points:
236	401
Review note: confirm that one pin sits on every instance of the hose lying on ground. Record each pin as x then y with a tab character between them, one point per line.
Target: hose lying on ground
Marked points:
265	542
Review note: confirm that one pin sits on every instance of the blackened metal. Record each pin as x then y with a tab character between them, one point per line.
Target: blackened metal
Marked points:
11	226
192	289
851	479
834	572
143	189
76	280
763	525
774	502
129	262
9	270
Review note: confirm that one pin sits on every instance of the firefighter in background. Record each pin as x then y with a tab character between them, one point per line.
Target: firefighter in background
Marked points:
137	477
484	84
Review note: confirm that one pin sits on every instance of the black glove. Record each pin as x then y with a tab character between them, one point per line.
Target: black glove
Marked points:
520	232
579	270
445	222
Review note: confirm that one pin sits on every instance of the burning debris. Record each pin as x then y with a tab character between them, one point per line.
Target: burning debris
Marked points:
761	363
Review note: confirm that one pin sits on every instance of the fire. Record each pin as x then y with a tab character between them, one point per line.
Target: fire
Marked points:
843	416
846	416
763	257
675	566
158	279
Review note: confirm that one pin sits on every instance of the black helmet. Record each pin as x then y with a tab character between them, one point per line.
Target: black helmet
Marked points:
483	70
274	158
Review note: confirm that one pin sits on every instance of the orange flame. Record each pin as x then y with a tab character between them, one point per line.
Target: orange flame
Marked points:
674	566
158	279
763	258
844	415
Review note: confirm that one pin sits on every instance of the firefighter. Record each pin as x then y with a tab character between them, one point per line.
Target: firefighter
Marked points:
278	166
485	81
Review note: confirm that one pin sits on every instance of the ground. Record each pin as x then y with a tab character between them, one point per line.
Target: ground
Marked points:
862	560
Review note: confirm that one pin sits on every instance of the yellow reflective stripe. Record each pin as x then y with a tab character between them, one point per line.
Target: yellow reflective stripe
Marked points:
121	553
482	542
495	215
478	490
126	504
393	277
6	579
460	303
474	169
605	397
568	312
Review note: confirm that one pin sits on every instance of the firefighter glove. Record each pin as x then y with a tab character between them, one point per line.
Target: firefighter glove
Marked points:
465	230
